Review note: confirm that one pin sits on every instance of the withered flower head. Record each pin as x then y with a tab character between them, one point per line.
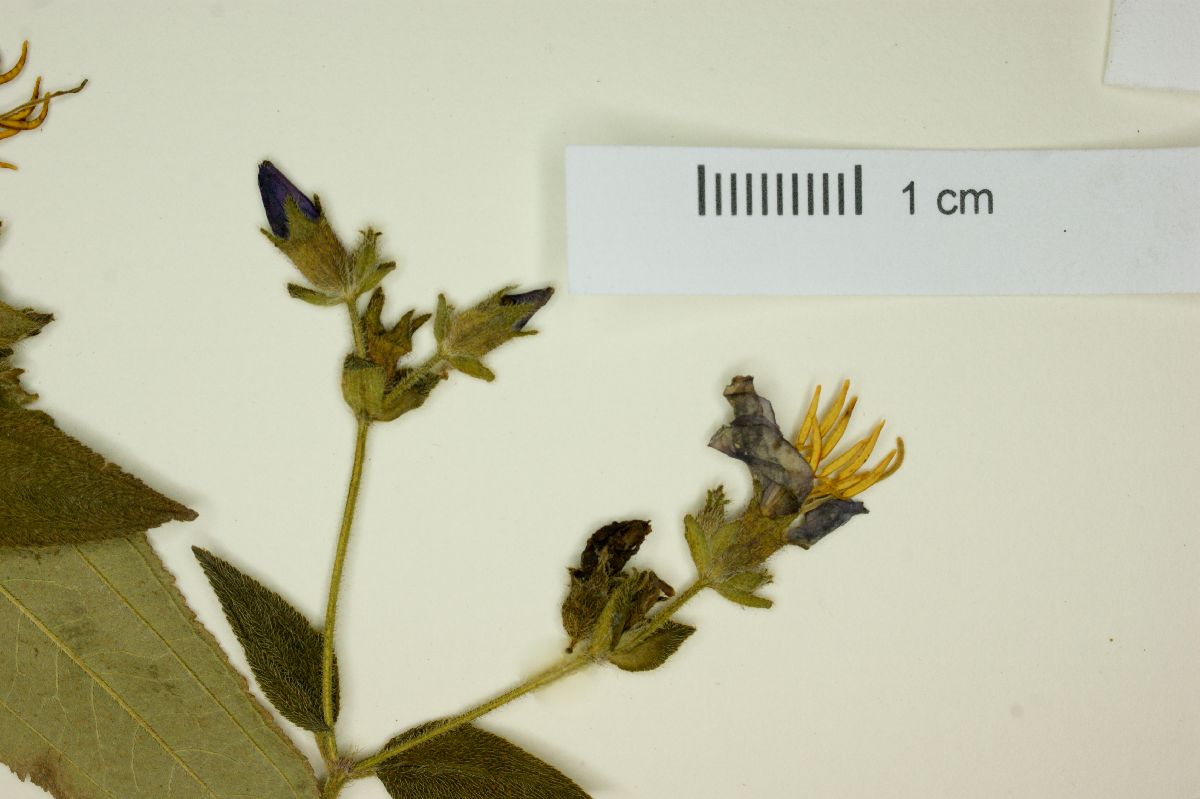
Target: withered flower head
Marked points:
601	579
611	547
32	113
803	478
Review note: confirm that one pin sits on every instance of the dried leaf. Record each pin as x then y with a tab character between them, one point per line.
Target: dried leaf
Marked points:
743	597
654	651
312	297
54	490
16	324
387	346
472	367
740	588
697	541
363	386
469	763
113	690
376	277
441	318
282	647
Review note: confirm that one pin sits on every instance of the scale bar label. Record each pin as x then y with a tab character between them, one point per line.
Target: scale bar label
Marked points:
680	220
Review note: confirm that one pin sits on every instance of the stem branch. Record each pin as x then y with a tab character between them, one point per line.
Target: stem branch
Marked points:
668	610
565	666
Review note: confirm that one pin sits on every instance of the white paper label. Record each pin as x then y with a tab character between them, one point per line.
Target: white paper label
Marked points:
680	220
1154	43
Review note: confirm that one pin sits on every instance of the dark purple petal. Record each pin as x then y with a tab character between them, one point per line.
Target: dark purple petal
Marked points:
275	189
754	438
534	300
823	520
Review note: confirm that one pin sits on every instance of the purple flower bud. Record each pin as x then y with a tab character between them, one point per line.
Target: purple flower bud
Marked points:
275	189
534	300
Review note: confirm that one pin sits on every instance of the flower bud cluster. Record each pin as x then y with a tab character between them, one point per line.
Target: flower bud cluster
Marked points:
377	382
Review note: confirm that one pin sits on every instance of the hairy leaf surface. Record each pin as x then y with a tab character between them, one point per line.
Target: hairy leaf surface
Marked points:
54	490
469	763
654	651
111	689
281	645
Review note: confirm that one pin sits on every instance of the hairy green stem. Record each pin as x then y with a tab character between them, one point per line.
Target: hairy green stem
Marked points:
335	580
567	665
564	667
333	784
360	345
327	741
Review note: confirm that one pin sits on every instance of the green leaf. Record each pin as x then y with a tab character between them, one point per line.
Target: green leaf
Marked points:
468	763
54	490
654	651
611	622
113	690
282	647
310	296
363	385
441	318
16	325
472	367
697	542
742	597
376	277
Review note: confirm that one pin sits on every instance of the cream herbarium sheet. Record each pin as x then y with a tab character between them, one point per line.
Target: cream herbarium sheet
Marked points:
115	689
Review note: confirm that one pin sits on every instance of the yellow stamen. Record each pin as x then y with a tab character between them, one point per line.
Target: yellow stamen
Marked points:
810	419
17	67
885	468
18	118
835	408
853	458
815	455
23	112
832	439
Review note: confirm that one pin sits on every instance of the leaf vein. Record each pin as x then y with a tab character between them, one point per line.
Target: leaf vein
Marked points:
95	677
168	590
55	747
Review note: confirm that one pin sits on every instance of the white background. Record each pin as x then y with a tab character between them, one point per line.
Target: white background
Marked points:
1016	617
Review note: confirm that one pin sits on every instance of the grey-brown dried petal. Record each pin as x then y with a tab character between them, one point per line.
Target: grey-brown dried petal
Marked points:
754	438
823	520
